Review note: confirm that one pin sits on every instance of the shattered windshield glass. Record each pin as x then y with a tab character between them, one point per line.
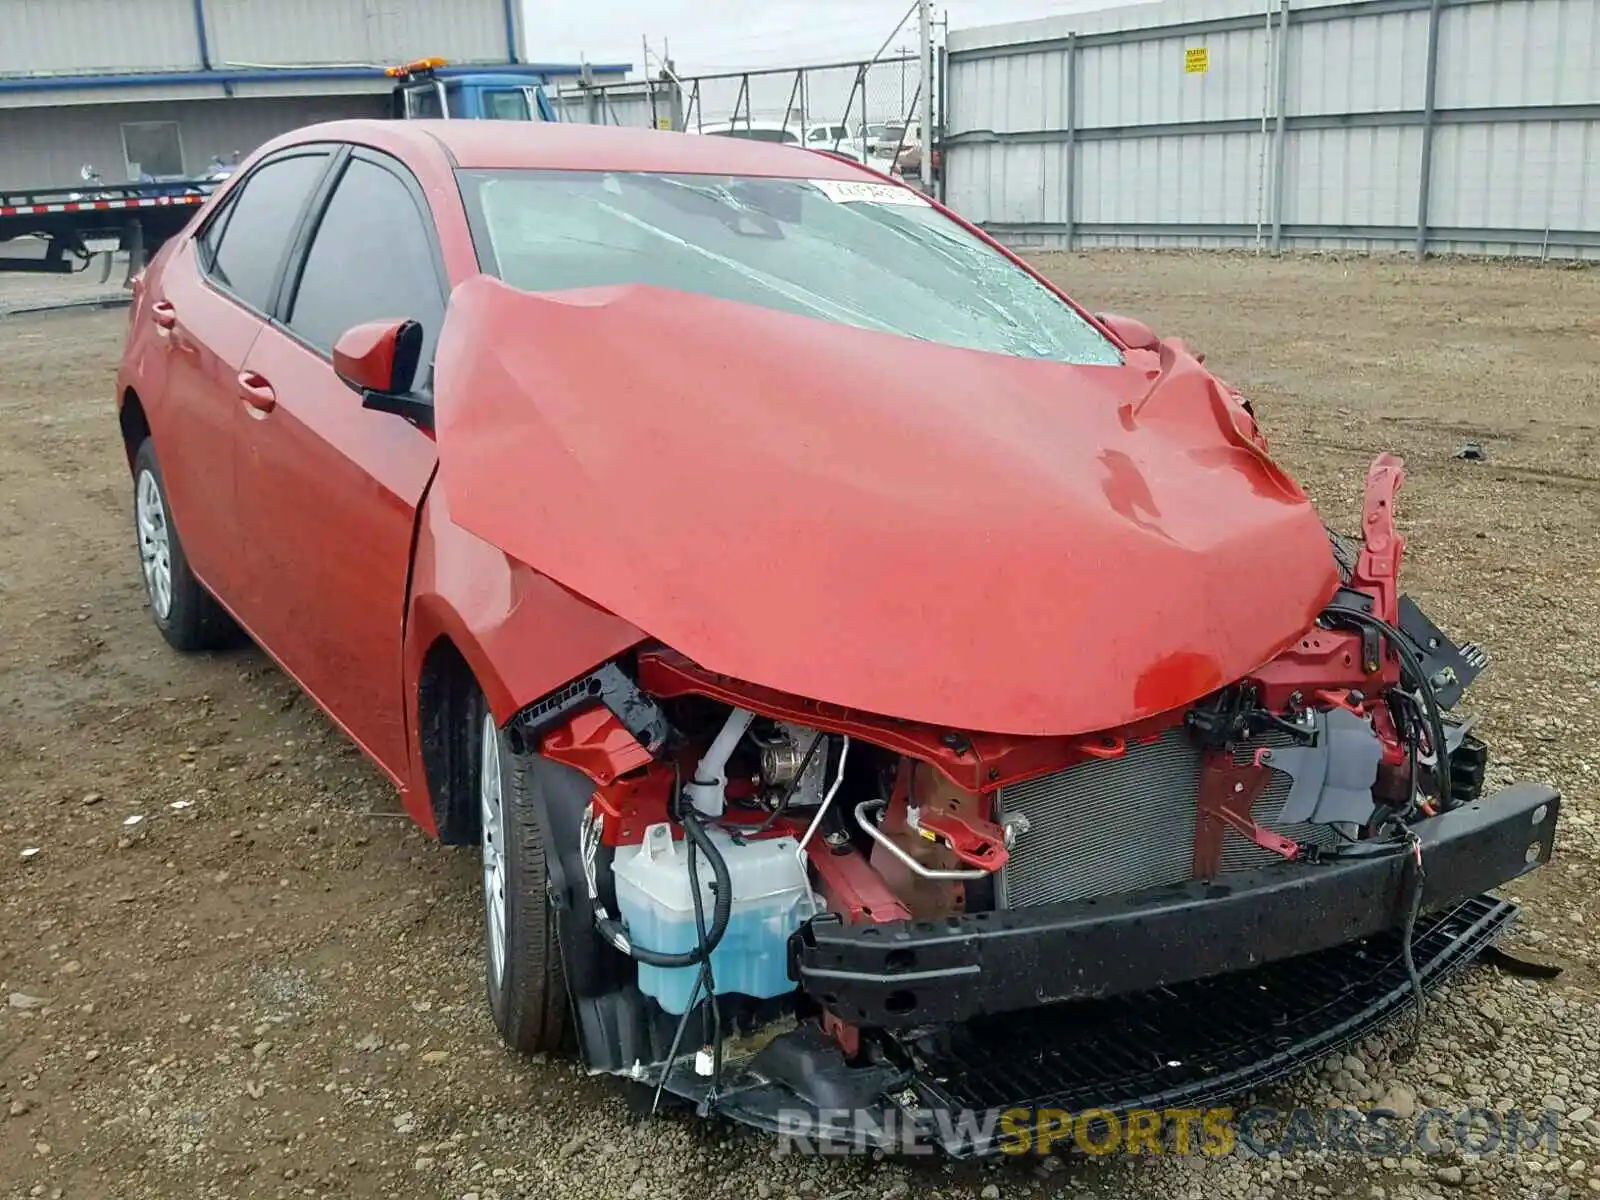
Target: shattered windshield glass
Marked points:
860	253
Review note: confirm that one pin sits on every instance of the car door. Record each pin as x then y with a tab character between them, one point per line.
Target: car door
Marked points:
329	490
216	293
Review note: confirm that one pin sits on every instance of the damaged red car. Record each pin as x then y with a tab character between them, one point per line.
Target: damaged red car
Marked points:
872	682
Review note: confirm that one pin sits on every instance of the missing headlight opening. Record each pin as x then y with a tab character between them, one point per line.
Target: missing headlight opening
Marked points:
819	905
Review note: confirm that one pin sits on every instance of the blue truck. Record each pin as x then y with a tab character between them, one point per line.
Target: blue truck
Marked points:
75	225
421	93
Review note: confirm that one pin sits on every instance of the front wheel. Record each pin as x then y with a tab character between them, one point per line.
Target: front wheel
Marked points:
522	959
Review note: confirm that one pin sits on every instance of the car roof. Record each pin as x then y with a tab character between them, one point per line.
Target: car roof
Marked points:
488	145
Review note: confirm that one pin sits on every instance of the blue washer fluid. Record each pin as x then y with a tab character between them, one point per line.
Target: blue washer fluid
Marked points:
771	897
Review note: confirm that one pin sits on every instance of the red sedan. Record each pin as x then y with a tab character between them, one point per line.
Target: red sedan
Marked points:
827	631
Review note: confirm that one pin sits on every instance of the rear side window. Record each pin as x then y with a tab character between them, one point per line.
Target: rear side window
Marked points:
252	236
372	259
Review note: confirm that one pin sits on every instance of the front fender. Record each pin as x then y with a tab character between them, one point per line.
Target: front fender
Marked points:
522	635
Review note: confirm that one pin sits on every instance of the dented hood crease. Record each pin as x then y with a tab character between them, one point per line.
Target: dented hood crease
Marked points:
931	533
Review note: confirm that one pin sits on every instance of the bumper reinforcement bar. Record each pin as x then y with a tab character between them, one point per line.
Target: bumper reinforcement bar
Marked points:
907	974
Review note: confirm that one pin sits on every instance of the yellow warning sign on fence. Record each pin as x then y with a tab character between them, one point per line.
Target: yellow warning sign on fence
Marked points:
1196	60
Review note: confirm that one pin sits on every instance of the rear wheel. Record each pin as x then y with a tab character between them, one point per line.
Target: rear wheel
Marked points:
522	960
185	613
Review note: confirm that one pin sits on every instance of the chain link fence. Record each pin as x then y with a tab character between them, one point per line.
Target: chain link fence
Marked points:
868	111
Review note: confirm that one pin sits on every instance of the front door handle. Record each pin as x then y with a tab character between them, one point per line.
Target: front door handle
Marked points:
163	314
255	391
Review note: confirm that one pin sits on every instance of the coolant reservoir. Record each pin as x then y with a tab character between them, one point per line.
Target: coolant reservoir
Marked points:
771	897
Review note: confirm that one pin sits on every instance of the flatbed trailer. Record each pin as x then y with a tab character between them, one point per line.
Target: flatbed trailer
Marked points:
76	224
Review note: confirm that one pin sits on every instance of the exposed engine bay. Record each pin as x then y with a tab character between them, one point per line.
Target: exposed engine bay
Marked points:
767	902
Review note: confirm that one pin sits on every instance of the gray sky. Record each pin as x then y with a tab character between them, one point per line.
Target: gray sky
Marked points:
735	34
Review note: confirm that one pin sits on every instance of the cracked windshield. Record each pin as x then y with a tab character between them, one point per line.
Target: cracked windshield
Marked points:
867	254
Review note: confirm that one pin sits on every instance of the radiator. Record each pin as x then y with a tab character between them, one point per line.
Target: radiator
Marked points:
1115	825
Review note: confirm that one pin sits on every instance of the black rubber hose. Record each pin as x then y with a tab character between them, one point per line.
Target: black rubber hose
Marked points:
1430	703
721	910
708	983
1408	937
703	982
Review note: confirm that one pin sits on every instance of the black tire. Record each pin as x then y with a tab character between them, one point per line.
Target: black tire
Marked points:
528	992
193	620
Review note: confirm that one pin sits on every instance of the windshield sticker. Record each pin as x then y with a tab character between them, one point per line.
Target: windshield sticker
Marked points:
854	191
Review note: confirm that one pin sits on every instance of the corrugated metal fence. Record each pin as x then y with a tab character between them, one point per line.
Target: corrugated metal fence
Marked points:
1437	126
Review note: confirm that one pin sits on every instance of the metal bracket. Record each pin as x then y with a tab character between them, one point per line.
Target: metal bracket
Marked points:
607	685
977	843
1377	569
1449	668
1228	793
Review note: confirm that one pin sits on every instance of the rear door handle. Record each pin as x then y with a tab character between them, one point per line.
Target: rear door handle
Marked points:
163	314
255	391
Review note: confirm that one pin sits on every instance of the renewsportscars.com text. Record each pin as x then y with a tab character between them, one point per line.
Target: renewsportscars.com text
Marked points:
1211	1132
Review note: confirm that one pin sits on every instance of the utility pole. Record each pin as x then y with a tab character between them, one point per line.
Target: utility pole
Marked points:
905	53
925	27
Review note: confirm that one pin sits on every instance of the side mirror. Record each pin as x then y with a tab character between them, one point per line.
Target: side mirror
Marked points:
379	361
1133	333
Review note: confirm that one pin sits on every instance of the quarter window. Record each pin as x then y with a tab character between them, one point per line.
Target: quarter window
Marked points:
243	248
212	237
371	260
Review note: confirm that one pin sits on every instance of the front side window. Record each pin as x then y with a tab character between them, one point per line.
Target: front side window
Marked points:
243	248
862	253
371	259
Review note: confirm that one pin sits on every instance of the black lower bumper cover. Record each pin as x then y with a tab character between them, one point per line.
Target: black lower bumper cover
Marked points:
913	973
1189	1046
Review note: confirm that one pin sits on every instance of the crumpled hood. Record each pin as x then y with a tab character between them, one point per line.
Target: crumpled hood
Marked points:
942	535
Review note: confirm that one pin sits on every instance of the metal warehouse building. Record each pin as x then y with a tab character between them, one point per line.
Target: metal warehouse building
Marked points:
1429	126
162	86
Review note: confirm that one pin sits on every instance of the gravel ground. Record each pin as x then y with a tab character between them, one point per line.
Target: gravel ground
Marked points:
232	969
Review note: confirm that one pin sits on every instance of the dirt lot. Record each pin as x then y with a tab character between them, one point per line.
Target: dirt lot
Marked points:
269	985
